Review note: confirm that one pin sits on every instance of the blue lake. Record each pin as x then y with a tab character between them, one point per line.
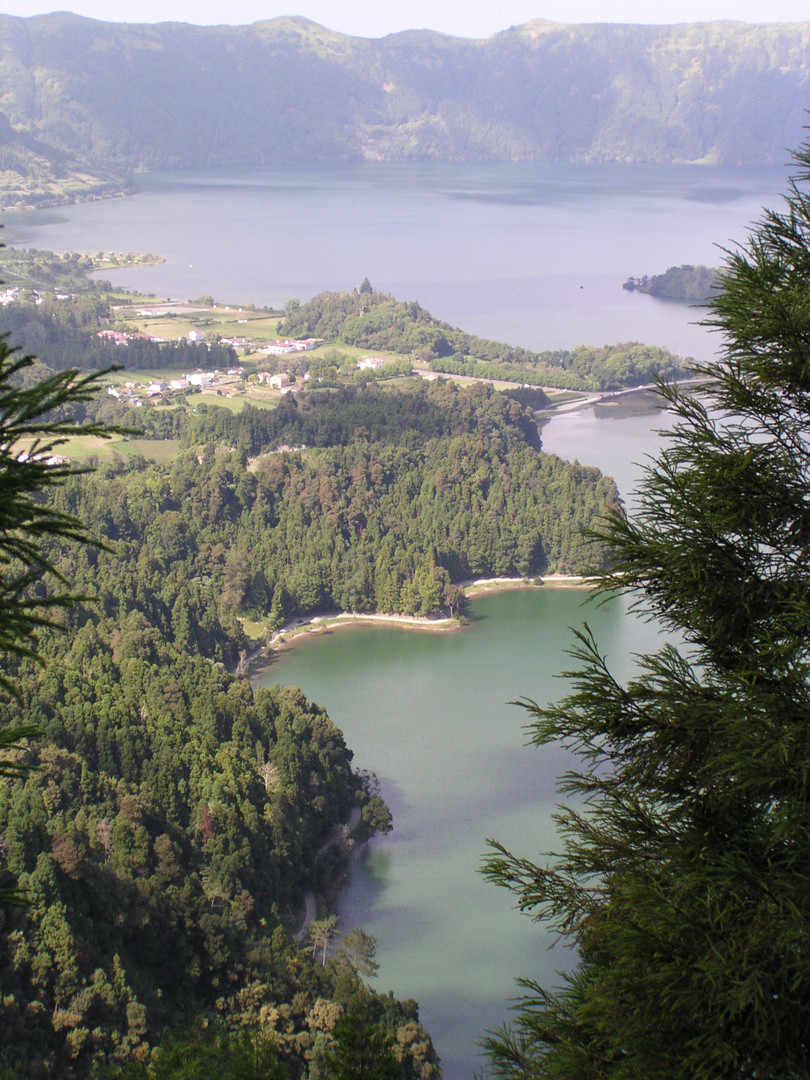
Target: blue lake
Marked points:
534	255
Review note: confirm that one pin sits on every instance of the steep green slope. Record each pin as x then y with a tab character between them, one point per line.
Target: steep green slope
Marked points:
287	90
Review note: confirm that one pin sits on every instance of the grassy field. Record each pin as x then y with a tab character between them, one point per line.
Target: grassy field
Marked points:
226	321
236	403
87	446
156	449
120	378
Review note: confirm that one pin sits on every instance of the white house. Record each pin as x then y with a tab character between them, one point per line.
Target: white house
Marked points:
199	378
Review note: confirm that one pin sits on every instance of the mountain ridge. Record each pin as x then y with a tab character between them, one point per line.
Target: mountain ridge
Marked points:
118	98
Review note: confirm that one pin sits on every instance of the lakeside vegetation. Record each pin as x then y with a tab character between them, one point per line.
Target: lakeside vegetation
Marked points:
65	271
398	496
375	320
65	318
166	788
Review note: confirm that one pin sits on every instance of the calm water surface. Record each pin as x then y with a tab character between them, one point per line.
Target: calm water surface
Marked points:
429	714
530	254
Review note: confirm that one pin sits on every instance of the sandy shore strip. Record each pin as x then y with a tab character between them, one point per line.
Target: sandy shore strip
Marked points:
316	624
557	581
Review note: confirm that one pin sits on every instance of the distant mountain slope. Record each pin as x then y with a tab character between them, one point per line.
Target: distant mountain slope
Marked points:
109	96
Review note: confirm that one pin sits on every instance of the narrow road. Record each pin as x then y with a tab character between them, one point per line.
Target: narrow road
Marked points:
343	832
309	917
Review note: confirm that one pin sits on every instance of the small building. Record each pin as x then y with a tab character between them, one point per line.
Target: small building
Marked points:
199	378
115	336
279	381
370	363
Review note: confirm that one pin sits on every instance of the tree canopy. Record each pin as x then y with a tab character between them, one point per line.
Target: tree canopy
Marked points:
684	877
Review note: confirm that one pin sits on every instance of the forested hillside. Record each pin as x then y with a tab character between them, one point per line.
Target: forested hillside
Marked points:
165	844
396	494
177	816
114	97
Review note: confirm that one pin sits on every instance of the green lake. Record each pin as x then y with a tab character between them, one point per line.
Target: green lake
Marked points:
429	713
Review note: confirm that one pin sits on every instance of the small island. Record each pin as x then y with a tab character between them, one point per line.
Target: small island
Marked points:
687	284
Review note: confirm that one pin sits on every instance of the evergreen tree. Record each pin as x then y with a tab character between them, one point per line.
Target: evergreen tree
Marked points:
685	881
362	1049
34	423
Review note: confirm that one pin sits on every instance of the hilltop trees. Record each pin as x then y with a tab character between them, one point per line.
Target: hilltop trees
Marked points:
684	879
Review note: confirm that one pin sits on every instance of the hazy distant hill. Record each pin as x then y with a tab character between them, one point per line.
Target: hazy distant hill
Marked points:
122	97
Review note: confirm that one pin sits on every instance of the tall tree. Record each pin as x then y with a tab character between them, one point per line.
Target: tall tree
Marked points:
685	883
362	1048
322	933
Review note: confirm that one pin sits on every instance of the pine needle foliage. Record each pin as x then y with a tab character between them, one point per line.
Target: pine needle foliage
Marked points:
35	423
684	876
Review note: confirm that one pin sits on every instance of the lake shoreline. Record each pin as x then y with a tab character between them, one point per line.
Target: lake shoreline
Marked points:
304	626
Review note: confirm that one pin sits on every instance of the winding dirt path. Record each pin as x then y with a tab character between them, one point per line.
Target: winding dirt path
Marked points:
342	832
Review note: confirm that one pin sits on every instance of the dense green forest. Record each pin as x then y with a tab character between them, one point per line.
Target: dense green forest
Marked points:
113	97
693	284
177	816
400	493
375	320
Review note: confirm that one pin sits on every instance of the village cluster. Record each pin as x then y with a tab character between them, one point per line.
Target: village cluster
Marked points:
219	382
202	381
